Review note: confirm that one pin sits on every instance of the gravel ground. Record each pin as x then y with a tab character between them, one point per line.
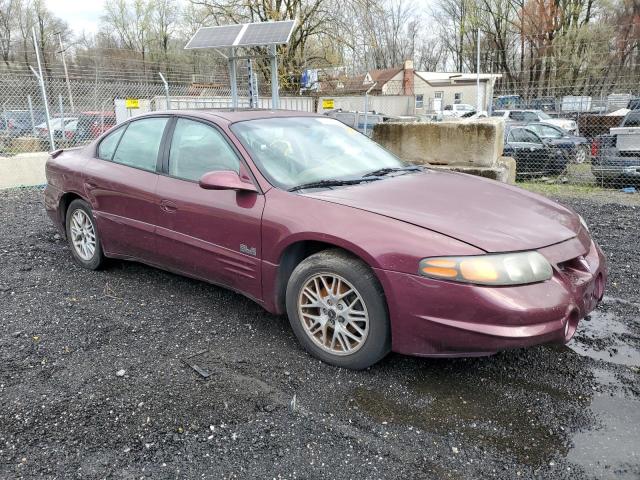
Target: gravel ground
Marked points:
95	381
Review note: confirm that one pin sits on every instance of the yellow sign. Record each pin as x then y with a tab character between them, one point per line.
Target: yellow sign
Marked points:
132	103
327	104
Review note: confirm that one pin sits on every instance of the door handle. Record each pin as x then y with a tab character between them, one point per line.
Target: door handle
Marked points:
168	206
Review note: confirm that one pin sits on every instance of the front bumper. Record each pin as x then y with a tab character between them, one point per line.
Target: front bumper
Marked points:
439	318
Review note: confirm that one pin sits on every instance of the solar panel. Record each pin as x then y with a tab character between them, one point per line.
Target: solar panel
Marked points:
214	37
248	34
267	33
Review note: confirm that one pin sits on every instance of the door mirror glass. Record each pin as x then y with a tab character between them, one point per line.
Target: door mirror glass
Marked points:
225	180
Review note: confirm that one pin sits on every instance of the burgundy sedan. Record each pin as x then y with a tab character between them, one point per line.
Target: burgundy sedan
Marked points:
304	215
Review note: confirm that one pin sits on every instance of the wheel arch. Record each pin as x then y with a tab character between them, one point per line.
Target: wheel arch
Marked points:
63	205
300	249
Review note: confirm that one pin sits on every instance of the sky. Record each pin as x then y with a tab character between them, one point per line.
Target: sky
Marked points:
79	14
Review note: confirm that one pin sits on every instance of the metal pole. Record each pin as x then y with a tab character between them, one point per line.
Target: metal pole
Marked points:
44	90
62	125
233	80
478	100
166	90
66	73
275	90
366	106
6	119
33	121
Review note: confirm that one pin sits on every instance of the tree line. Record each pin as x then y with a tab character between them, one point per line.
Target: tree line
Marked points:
548	47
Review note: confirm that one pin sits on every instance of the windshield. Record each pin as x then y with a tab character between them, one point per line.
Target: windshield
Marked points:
298	150
544	116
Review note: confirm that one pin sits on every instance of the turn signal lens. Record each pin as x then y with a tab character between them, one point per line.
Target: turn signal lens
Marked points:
501	269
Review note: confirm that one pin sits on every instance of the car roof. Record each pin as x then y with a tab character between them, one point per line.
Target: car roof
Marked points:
238	115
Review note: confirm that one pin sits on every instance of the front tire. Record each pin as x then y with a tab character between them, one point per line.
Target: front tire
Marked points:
582	154
337	310
83	237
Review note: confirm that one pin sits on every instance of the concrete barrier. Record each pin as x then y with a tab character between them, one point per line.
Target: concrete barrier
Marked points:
25	169
473	147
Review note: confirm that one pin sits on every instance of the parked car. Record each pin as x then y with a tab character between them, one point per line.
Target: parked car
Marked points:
364	252
575	149
357	119
546	104
472	115
534	157
17	123
70	130
634	104
616	156
504	102
93	124
56	126
457	110
536	116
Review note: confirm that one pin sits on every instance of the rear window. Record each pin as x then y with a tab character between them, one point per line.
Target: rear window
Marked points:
632	120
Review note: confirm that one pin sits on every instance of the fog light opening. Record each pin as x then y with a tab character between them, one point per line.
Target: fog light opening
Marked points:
571	325
599	290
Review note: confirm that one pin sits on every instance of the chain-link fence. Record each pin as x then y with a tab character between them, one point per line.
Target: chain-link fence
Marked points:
585	134
588	139
82	109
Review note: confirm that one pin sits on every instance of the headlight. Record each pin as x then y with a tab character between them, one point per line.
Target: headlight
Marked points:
583	223
500	269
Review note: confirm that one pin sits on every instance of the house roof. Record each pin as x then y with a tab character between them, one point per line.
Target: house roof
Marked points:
448	77
361	83
381	76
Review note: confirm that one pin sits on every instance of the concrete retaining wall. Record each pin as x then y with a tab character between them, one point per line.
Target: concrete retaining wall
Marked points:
25	169
477	143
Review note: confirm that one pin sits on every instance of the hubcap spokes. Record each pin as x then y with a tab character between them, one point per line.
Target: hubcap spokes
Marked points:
333	314
83	235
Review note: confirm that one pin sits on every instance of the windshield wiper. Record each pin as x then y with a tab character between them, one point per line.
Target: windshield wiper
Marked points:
333	183
388	170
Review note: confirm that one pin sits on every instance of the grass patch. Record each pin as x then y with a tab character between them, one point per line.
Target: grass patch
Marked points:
583	191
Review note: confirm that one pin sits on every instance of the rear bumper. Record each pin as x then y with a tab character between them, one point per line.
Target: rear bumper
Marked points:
439	318
52	196
618	167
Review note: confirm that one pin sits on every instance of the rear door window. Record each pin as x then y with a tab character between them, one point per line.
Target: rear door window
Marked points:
140	143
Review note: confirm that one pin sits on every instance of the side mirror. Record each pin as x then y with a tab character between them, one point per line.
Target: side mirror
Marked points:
225	180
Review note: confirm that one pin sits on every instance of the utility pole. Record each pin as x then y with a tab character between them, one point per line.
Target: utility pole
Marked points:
39	76
66	73
478	96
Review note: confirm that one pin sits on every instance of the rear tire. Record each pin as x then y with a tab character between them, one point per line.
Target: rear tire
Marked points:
337	310
83	237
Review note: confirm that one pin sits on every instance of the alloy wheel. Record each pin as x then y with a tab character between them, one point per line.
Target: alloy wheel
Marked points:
83	234
333	314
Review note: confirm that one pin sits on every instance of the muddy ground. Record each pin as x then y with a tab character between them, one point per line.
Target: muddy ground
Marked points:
96	381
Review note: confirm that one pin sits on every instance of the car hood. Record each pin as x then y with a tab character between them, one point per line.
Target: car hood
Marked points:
492	216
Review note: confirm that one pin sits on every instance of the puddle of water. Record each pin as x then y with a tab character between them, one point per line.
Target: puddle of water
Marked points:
613	449
603	336
491	413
